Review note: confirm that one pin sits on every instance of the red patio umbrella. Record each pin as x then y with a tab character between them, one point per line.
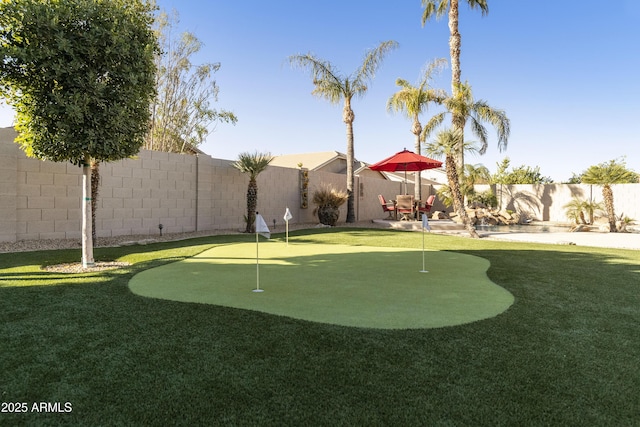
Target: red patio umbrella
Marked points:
405	160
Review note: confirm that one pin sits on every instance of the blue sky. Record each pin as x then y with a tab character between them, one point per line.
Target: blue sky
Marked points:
565	72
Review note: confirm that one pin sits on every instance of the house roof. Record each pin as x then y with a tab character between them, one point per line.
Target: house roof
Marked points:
311	161
326	159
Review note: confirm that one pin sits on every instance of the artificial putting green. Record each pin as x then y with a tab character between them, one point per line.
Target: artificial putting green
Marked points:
358	286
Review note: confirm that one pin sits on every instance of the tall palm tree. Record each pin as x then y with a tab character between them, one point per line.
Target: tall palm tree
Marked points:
412	101
462	105
252	164
336	87
437	9
606	174
448	143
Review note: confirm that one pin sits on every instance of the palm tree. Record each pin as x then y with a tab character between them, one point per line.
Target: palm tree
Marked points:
412	101
448	143
437	9
574	211
252	164
462	106
606	174
335	87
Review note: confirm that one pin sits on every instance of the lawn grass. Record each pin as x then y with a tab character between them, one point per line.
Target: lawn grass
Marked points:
565	353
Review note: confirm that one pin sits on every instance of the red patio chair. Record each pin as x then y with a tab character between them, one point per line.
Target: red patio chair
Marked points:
387	206
427	206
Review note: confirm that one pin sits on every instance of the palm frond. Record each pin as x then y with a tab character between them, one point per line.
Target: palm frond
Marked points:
480	4
326	79
252	163
499	120
430	69
431	125
481	133
372	60
431	9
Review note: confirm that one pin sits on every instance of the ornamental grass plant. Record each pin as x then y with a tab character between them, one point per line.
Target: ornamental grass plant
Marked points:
328	200
565	353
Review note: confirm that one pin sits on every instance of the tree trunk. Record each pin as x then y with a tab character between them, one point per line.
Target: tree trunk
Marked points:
455	43
416	129
252	203
348	117
456	195
95	188
87	241
607	195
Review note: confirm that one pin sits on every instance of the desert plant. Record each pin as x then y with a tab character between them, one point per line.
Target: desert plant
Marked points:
486	198
574	211
328	201
606	174
252	164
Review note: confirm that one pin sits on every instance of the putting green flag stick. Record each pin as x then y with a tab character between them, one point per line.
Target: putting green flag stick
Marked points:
261	228
287	217
425	226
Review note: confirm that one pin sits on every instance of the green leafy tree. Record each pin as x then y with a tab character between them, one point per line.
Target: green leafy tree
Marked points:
519	175
252	164
413	101
181	113
80	76
335	87
448	143
437	9
463	108
606	174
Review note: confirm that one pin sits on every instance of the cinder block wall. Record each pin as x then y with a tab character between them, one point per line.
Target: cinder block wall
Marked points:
9	153
41	200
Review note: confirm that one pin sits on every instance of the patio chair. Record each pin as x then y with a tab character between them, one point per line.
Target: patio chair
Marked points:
387	206
427	206
406	207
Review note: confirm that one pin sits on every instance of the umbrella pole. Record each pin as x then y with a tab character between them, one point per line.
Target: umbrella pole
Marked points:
405	180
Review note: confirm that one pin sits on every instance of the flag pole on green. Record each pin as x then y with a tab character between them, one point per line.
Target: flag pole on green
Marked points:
425	226
261	228
287	217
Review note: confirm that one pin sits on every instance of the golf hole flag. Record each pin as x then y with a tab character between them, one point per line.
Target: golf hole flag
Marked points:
287	217
261	226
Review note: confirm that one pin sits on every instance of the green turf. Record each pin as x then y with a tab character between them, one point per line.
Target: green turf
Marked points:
360	286
564	354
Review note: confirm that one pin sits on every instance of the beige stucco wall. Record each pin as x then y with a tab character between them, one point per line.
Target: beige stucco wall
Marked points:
41	200
545	202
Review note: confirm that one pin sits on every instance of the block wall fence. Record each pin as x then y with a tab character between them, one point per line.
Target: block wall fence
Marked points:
184	193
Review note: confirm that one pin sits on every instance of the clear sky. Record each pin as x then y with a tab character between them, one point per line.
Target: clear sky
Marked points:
565	72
